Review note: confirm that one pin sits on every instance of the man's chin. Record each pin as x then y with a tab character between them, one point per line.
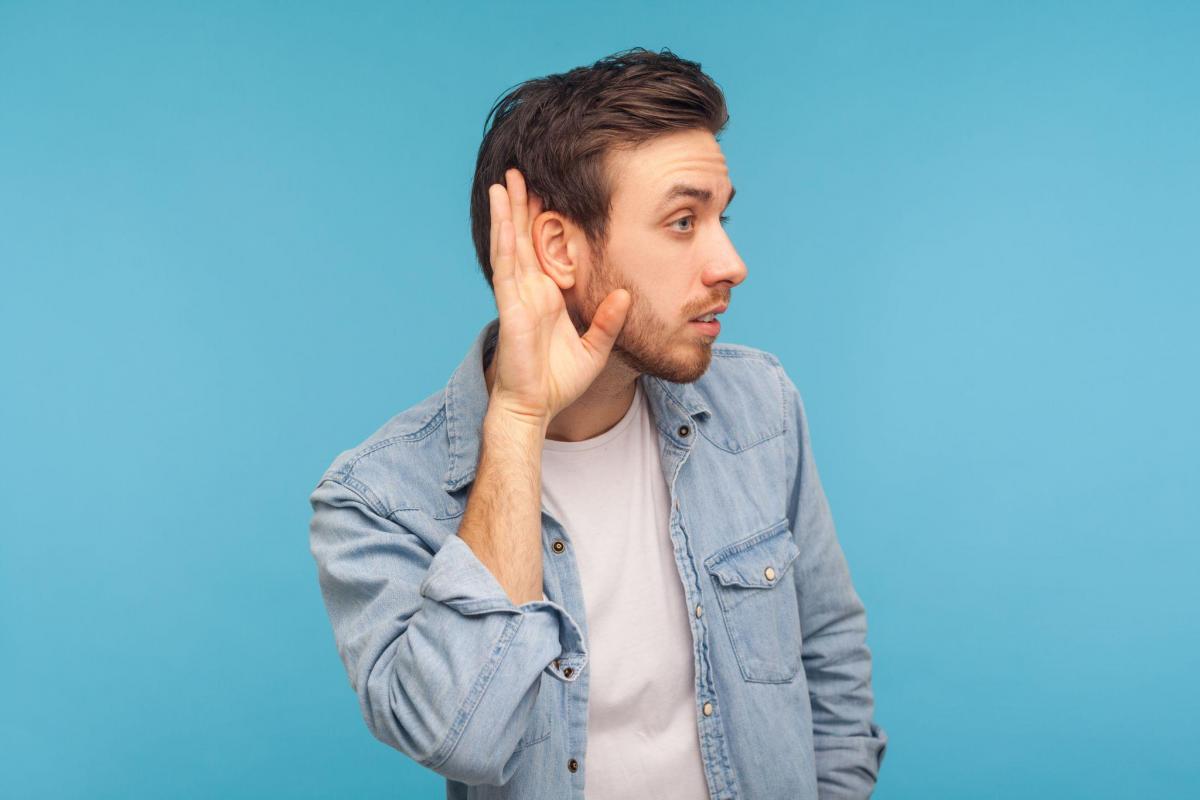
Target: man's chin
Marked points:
689	376
674	370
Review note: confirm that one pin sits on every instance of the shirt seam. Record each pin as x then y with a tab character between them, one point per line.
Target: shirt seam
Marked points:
475	695
358	489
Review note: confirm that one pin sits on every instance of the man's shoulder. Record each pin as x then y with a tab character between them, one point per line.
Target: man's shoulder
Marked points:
728	352
412	443
747	390
735	364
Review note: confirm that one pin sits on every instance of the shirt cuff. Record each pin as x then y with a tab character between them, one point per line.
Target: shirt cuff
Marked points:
458	579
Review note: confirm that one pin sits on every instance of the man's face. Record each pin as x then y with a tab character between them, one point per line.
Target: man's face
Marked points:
671	253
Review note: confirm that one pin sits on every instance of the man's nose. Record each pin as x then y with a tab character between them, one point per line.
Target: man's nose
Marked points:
726	265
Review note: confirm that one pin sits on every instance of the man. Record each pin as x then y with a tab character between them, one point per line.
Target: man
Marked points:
600	563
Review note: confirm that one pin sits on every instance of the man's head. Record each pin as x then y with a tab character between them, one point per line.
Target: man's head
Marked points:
604	147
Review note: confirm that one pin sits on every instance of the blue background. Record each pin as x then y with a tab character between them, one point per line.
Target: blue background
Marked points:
234	241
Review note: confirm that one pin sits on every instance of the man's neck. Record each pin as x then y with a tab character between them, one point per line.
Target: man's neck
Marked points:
597	410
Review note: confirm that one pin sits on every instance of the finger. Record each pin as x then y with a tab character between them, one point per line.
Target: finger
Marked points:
518	195
535	209
504	279
493	226
606	324
498	202
518	199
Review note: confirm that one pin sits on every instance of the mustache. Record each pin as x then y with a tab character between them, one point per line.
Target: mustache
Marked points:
719	300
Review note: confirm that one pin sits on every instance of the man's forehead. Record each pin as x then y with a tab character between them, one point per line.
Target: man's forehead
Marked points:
668	164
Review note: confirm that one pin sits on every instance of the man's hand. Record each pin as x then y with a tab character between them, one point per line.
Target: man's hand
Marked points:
542	363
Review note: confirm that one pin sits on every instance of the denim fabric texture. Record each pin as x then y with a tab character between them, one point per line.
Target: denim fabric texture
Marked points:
493	696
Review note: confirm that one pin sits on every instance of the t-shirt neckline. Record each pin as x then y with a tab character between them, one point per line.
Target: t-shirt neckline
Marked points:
635	408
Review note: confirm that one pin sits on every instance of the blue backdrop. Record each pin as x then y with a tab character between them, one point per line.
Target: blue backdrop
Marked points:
234	241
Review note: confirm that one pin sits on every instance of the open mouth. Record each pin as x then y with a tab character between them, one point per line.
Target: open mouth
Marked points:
709	325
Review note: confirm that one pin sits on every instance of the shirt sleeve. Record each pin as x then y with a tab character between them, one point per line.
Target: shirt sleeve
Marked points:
849	746
446	668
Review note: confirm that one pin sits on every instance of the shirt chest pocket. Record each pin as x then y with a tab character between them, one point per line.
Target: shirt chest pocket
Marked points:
755	588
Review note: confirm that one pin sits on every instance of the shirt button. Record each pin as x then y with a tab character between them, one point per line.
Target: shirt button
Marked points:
568	672
708	709
770	573
558	546
573	765
699	611
684	430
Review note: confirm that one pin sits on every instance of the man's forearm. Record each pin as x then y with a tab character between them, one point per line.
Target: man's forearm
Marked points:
502	523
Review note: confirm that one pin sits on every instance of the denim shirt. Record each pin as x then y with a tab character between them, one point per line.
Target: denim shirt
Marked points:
493	696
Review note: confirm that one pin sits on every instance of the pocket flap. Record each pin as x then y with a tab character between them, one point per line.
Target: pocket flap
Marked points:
746	563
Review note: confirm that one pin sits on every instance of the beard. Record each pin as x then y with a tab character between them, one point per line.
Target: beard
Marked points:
647	344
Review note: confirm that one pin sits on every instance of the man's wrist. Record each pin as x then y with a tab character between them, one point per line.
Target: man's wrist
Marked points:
506	427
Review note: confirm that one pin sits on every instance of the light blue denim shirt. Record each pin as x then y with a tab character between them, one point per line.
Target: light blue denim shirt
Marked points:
493	696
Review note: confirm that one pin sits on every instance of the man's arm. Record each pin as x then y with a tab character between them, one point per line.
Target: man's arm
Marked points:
849	745
503	520
446	667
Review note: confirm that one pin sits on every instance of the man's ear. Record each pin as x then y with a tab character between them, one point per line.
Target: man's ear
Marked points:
555	242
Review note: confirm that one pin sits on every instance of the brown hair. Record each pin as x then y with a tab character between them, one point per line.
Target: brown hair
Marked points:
558	129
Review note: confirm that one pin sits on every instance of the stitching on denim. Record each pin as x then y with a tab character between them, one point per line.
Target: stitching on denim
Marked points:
439	517
743	351
539	719
721	591
726	614
360	489
756	355
782	397
666	390
750	541
483	605
728	775
428	427
542	738
346	471
712	744
402	508
476	692
791	465
742	449
451	431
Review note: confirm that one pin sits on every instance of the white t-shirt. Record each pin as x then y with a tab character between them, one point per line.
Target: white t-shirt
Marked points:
610	496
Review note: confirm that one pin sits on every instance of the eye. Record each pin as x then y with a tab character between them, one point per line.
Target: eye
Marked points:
689	217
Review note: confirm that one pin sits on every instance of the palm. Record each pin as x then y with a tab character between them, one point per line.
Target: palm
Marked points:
543	363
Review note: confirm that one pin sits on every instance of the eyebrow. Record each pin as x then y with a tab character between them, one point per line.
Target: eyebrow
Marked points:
685	190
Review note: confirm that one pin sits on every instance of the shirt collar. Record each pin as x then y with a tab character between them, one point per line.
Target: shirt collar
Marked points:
467	401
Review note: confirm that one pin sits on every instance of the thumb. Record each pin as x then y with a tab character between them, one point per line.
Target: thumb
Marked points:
607	323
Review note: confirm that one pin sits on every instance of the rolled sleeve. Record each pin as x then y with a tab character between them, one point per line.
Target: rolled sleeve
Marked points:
849	746
458	579
446	668
848	766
